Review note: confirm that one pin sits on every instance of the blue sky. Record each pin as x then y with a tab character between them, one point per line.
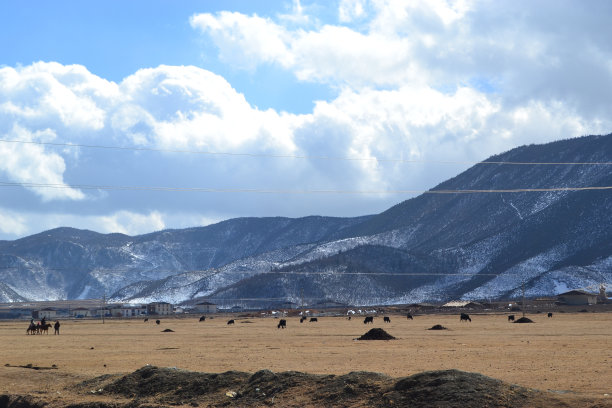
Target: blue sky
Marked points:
116	38
386	88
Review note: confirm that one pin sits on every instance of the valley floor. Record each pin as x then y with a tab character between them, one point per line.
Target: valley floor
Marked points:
569	354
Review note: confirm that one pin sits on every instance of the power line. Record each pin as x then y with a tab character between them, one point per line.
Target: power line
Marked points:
298	192
295	156
214	272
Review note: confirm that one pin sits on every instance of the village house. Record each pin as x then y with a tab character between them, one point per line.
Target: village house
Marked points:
159	308
48	313
82	312
127	310
205	307
578	297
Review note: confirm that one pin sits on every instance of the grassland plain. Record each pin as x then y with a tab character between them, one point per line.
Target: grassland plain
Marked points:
569	354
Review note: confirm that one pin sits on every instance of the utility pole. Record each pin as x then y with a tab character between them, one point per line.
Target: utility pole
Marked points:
103	306
523	305
302	300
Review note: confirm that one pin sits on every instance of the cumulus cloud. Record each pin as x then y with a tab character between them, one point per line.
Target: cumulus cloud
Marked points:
12	223
348	10
521	50
428	81
245	40
127	222
32	166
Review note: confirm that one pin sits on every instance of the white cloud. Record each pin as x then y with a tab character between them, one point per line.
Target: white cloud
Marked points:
349	10
12	223
130	223
245	40
521	50
424	80
54	94
30	163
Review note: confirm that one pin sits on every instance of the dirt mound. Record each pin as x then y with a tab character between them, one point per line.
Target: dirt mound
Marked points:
376	334
437	327
20	401
168	331
152	386
172	385
454	388
523	320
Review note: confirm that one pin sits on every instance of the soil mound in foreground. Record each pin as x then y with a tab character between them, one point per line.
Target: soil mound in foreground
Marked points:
153	386
523	320
376	334
437	327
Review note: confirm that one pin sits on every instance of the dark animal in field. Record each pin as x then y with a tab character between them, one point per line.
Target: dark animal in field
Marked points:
349	318
230	321
314	319
44	328
386	319
368	319
302	319
282	324
465	316
157	322
549	314
146	319
409	316
203	318
32	329
511	318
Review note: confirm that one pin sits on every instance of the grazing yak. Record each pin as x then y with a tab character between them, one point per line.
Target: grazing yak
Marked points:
146	319
230	321
386	319
203	318
157	322
314	319
282	324
302	319
465	316
368	319
511	318
549	314
409	316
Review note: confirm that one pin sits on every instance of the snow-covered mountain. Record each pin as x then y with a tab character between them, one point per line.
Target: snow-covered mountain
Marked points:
441	245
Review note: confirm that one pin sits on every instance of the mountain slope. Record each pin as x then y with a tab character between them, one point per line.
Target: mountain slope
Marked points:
472	236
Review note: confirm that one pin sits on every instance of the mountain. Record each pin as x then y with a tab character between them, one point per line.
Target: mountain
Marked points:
67	263
518	217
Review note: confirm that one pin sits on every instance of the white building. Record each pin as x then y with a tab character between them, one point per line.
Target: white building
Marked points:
160	308
205	307
578	297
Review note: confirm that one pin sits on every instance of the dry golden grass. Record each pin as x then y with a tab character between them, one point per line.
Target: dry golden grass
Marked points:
569	352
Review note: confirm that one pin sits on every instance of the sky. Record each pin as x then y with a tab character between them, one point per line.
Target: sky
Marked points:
137	116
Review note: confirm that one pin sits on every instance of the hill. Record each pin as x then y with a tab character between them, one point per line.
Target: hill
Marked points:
518	217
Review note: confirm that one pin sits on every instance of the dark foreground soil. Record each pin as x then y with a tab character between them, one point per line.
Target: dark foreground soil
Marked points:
152	386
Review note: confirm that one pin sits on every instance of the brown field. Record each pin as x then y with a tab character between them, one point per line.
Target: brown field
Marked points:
570	353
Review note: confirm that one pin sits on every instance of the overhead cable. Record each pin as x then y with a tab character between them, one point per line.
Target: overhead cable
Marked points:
296	156
298	192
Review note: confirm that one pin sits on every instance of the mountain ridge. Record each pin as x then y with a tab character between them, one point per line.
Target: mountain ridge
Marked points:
434	247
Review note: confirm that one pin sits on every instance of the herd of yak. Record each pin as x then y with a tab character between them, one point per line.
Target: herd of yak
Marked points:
282	323
463	317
